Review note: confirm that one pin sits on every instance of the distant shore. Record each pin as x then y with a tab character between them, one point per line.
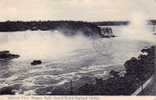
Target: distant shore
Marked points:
68	28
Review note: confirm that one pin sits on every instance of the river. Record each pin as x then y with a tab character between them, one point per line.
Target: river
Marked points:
64	58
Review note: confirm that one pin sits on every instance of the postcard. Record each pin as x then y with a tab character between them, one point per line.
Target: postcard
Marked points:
77	49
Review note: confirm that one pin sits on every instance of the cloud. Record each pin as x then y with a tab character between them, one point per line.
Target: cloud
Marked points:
74	9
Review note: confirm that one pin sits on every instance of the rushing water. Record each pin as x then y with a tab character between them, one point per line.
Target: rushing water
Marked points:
64	58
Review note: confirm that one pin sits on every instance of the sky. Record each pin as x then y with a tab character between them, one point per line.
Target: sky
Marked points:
85	10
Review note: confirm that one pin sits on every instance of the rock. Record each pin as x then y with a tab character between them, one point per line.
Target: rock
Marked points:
7	91
6	55
36	62
114	73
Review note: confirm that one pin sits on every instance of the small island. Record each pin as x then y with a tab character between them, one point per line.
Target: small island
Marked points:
6	55
36	62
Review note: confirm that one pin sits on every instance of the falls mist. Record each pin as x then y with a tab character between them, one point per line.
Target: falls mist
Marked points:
41	44
138	29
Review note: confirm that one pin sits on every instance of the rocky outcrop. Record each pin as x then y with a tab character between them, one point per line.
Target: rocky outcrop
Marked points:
36	62
6	55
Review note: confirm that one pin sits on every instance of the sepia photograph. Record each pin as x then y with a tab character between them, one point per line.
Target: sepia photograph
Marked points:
78	47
